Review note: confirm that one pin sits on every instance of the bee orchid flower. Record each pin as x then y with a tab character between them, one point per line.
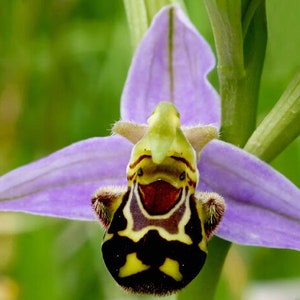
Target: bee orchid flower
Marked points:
170	64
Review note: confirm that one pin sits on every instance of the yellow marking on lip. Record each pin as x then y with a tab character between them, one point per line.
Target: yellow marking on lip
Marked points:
135	236
171	268
132	266
108	236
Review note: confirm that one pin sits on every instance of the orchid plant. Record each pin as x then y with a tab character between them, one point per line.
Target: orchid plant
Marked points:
171	63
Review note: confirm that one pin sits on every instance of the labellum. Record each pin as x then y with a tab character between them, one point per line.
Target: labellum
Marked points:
158	227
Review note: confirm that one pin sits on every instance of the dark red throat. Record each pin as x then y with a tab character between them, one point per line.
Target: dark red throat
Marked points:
159	197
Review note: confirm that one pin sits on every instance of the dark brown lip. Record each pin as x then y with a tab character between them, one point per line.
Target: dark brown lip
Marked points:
159	197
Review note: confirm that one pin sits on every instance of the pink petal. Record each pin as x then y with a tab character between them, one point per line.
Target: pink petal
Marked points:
175	73
263	207
62	183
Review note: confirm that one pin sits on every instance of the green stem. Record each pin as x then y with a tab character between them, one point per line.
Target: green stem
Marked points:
240	54
225	18
240	45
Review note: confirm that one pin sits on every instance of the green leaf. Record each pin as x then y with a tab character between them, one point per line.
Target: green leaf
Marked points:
137	20
280	127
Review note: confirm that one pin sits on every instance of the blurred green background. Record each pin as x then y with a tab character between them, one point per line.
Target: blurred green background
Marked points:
63	64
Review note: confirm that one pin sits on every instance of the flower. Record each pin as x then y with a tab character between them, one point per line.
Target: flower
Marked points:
171	63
